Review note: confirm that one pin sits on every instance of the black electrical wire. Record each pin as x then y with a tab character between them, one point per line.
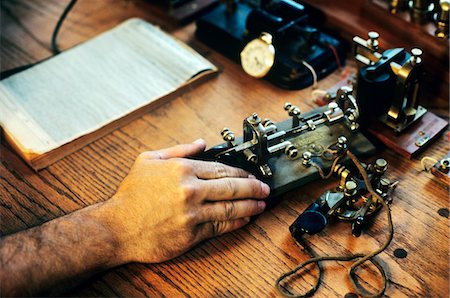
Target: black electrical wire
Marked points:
362	257
6	73
63	16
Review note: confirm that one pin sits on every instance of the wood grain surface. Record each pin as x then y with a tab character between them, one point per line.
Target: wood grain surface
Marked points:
244	263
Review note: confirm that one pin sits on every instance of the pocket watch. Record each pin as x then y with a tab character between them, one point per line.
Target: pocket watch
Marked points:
258	56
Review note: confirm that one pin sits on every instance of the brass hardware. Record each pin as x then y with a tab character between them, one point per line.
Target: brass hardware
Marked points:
351	201
442	19
263	140
380	166
350	188
444	165
404	72
422	139
228	136
397	5
291	151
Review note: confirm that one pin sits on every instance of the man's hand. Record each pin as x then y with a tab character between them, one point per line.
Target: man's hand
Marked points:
168	203
165	205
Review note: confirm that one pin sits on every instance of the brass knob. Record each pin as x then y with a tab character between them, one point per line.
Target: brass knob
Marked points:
380	165
291	151
306	158
350	188
227	135
442	19
267	122
444	165
292	110
342	142
254	119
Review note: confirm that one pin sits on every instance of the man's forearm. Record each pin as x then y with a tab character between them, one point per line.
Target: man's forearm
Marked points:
59	252
165	206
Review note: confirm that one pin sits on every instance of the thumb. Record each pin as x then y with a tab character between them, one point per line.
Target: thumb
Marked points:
183	150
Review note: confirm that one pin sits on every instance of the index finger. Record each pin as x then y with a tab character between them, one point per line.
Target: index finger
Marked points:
183	150
234	188
216	170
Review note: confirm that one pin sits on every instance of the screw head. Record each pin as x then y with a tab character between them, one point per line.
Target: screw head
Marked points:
350	185
224	131
350	188
332	106
306	158
445	163
381	163
373	35
416	52
342	140
416	56
291	151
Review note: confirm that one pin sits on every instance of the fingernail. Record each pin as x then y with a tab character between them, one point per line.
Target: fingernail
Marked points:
265	189
251	176
261	206
199	141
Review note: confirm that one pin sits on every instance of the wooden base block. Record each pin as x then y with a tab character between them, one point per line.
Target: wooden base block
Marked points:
412	140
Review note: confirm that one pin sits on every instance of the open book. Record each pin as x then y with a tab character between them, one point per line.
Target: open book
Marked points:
68	101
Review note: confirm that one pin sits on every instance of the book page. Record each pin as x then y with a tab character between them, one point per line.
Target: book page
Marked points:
93	84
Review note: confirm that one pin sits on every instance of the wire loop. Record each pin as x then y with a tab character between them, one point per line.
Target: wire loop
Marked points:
362	257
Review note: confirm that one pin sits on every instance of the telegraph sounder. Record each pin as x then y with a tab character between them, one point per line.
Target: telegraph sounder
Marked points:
387	91
279	40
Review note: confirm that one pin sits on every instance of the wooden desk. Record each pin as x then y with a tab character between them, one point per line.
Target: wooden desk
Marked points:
246	262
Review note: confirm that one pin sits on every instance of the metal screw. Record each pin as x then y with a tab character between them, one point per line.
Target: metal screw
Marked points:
372	42
416	56
292	110
291	151
254	119
267	122
306	158
227	135
380	165
350	188
444	165
384	185
342	142
332	106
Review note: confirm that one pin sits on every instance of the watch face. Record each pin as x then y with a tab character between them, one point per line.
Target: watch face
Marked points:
257	58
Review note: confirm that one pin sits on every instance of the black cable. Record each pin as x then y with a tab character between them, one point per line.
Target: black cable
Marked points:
9	72
362	257
58	26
